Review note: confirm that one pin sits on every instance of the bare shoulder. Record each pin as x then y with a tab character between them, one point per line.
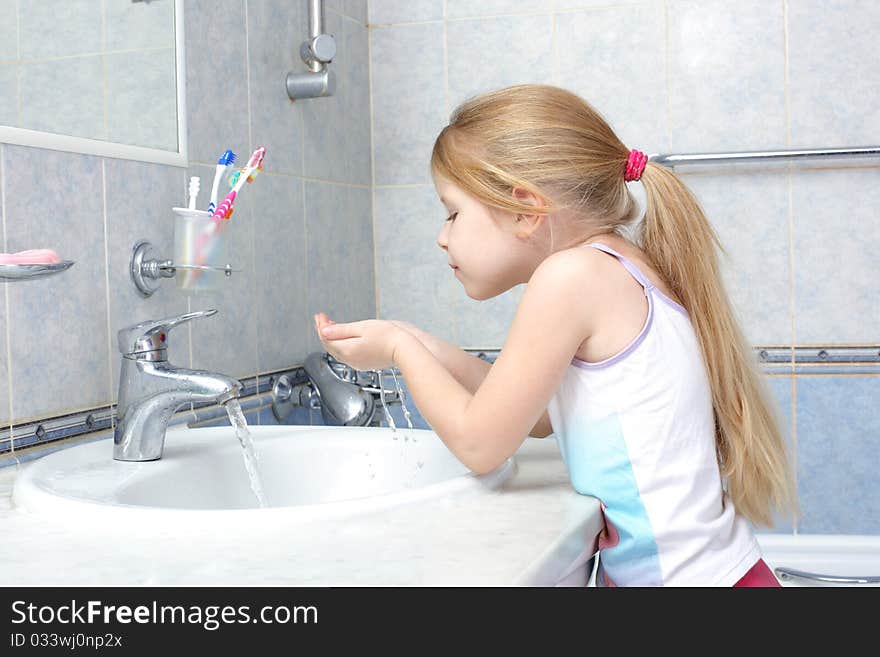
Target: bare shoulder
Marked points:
571	272
571	278
601	293
568	262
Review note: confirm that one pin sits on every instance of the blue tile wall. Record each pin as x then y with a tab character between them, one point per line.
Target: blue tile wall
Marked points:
838	432
404	11
280	236
723	79
836	239
339	271
8	30
827	46
216	78
62	330
409	100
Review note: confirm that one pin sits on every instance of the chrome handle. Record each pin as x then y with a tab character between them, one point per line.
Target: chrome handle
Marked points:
342	403
151	336
790	573
320	49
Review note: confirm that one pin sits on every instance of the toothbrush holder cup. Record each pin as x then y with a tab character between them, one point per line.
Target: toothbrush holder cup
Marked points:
200	241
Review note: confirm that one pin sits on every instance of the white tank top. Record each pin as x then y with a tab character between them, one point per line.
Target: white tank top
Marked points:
637	431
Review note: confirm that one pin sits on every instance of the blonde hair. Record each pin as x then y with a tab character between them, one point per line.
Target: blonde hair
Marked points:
551	142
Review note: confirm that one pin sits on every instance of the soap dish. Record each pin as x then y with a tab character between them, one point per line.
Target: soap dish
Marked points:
26	272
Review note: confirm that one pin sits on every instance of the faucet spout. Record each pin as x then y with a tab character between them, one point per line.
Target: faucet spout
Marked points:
155	392
151	389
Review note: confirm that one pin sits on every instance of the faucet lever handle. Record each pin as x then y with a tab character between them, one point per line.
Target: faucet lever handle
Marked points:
151	335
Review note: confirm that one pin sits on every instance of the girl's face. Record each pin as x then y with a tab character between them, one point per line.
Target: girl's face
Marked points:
481	243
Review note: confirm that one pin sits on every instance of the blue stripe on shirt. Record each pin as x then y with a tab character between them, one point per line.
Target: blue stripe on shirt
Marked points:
598	463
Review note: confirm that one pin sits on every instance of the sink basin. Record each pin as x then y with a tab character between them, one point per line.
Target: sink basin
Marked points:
307	473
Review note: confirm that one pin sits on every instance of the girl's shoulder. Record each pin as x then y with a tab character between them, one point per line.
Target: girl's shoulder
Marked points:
629	251
614	304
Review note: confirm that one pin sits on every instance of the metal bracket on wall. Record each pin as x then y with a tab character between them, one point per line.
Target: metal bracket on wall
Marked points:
147	272
317	52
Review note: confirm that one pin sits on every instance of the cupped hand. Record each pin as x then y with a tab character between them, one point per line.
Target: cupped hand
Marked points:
365	345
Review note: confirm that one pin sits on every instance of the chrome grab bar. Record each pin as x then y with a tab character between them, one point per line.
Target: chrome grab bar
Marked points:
789	573
761	156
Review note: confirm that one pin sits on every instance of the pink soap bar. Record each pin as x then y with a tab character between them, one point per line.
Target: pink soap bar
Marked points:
31	257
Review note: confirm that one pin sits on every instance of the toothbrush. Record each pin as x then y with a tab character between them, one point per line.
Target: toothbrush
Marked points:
194	183
226	160
234	178
255	163
224	210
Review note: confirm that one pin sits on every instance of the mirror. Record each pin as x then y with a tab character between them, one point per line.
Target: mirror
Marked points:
103	77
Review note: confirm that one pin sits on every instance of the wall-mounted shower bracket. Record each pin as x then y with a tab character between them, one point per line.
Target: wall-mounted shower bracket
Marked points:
317	52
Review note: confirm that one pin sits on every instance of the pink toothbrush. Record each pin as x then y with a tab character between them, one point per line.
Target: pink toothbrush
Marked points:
255	164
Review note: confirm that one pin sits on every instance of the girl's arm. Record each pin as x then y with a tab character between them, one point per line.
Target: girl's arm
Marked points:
486	427
467	369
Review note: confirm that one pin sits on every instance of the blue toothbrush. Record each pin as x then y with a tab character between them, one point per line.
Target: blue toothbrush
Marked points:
226	160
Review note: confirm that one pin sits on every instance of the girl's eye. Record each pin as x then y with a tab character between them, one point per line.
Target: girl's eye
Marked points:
451	217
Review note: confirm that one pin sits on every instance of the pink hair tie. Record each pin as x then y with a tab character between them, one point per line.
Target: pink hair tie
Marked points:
635	165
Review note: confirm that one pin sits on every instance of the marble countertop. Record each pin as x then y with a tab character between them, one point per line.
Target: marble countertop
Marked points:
532	531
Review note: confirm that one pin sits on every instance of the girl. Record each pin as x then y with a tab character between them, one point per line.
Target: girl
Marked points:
627	351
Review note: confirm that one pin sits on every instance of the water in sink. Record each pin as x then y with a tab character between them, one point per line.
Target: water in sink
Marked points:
239	424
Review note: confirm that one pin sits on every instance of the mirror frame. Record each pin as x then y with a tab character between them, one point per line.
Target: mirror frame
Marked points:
56	142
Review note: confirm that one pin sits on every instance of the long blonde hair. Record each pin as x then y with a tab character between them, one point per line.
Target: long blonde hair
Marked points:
552	143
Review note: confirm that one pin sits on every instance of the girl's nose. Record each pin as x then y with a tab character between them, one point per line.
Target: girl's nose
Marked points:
441	238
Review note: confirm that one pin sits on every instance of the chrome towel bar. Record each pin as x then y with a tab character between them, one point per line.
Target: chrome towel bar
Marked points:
790	573
766	156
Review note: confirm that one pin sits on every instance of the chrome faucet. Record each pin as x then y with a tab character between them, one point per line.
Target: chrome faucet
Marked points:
343	403
151	389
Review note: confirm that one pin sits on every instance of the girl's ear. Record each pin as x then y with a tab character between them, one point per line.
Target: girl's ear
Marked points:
526	224
525	196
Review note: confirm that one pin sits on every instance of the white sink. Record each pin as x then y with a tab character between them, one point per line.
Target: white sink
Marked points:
308	473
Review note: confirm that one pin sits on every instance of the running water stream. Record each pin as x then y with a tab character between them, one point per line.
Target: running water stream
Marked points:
239	424
400	395
236	417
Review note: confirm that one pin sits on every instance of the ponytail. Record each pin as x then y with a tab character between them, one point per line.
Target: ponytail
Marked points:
751	451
